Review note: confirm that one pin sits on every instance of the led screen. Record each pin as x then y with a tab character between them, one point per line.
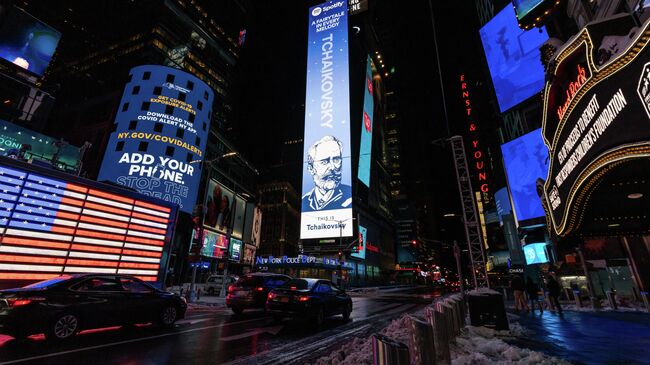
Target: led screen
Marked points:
513	58
160	135
221	205
535	253
365	149
235	249
526	160
363	233
27	42
326	181
214	244
524	7
52	226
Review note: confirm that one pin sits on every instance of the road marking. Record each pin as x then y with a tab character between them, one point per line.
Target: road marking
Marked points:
272	330
125	342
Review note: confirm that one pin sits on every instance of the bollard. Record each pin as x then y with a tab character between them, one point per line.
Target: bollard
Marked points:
611	298
386	351
455	310
646	300
441	343
576	296
421	343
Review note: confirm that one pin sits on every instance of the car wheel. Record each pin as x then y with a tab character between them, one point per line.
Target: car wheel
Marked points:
347	311
63	327
168	316
237	310
320	317
211	291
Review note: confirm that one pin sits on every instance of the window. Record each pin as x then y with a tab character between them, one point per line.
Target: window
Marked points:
136	90
324	288
180	132
125	107
145	105
205	95
169	151
198	141
142	147
99	284
275	281
170	78
169	110
189	158
181	96
146	75
190	85
199	105
157	90
135	286
205	126
133	125
158	127
191	118
119	146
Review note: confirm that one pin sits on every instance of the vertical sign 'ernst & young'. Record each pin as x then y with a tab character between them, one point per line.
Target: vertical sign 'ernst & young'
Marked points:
160	135
326	178
596	116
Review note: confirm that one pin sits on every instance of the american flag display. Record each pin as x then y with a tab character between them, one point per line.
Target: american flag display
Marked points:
51	227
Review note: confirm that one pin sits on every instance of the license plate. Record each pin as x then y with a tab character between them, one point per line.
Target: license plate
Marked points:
284	299
241	293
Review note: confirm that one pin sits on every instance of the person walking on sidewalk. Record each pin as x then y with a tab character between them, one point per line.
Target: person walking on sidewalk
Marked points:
554	292
533	295
517	286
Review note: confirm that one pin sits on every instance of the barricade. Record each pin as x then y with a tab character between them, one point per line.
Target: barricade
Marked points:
387	351
440	339
422	343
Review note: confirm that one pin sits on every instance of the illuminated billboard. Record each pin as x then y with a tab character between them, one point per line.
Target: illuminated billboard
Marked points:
535	253
27	42
235	249
160	135
365	150
526	160
513	58
42	147
326	181
363	238
221	205
214	244
53	225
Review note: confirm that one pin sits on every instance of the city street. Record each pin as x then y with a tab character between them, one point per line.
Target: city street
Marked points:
211	335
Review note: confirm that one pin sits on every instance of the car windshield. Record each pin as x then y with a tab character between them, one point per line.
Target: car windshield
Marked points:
298	284
48	283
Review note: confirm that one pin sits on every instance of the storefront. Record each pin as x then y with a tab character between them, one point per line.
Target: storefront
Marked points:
303	266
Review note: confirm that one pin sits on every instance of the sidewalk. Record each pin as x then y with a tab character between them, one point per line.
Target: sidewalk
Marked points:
587	337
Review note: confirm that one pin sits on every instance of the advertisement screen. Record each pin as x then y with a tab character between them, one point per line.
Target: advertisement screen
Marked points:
249	255
535	253
221	207
238	217
42	147
235	249
257	227
365	152
214	244
27	42
53	226
524	7
502	199
363	235
513	58
526	160
161	130
326	181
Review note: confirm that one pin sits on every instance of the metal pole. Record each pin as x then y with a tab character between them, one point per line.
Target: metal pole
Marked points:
442	88
592	296
222	292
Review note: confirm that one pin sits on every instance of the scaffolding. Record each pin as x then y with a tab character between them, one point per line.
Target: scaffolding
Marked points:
470	217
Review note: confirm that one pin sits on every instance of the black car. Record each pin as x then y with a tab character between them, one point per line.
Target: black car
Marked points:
251	290
63	306
311	298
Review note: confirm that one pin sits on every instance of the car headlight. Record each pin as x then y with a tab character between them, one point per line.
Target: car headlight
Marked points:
184	300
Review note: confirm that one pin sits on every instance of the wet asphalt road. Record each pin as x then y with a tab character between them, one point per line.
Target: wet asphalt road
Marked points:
210	335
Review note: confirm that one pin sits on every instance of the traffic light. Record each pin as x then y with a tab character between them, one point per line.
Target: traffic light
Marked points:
414	243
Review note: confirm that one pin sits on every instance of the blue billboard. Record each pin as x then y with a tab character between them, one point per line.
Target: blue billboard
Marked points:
365	150
326	178
513	58
363	238
526	159
161	131
535	253
525	7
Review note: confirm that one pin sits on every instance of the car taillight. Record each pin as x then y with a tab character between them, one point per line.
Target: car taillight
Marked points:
303	298
259	288
19	302
272	295
231	288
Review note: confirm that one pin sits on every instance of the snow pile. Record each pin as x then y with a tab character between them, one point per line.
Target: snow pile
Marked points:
482	291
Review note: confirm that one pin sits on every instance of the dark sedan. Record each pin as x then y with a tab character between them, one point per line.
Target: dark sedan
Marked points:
63	306
308	298
251	290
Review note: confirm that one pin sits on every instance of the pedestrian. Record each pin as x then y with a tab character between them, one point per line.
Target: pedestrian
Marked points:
554	291
533	295
517	286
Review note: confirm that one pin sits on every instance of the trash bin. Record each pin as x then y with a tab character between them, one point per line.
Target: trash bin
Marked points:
486	308
421	345
387	351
